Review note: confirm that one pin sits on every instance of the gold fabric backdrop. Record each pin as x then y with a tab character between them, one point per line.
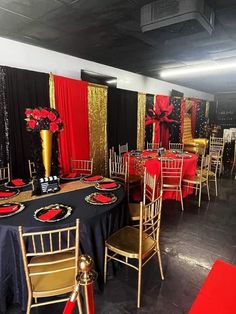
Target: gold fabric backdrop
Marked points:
141	120
52	91
97	106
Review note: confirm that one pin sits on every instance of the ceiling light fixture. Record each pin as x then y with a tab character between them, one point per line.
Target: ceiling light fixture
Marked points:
184	71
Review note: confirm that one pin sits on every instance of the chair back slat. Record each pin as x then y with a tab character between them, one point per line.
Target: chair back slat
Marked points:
118	169
152	146
32	168
179	147
149	187
217	144
123	149
82	166
5	173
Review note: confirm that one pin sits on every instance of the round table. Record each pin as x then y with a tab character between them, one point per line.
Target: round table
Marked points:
152	162
97	222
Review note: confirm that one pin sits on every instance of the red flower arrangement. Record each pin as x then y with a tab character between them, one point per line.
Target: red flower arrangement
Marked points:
43	119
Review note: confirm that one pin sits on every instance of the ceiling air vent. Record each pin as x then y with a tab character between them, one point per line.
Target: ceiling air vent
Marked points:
162	13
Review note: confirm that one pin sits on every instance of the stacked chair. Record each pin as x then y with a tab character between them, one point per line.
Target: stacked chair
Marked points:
131	244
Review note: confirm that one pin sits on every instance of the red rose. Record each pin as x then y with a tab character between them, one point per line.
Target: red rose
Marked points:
54	127
44	113
52	116
58	120
36	113
28	112
31	124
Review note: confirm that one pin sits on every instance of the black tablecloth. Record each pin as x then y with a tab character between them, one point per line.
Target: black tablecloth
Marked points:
96	224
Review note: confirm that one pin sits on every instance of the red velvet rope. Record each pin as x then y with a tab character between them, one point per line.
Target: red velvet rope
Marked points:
69	307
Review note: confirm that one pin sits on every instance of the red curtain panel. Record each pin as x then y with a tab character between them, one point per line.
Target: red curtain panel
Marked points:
71	98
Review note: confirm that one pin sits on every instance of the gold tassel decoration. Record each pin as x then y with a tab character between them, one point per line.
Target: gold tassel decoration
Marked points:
97	107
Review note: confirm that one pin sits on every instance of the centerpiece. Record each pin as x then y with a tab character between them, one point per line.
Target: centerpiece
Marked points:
46	121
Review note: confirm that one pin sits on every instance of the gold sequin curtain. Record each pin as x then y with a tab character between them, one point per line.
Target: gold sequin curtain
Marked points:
51	91
141	120
97	106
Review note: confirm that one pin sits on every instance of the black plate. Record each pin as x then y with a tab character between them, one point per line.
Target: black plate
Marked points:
10	185
66	212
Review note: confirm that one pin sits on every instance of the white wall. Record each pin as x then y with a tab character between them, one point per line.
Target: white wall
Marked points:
19	55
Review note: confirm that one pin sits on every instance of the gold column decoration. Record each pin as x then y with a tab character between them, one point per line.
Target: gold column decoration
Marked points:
46	137
141	120
51	91
97	107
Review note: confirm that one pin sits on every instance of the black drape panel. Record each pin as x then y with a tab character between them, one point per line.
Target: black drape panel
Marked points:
149	128
4	126
24	89
122	117
175	128
201	120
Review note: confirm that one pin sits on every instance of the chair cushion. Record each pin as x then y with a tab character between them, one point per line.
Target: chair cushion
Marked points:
126	242
54	281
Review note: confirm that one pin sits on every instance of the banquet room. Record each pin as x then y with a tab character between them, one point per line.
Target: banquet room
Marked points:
118	151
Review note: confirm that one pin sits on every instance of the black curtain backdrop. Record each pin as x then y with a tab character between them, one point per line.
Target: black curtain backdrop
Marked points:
149	128
175	128
201	121
4	126
122	118
24	89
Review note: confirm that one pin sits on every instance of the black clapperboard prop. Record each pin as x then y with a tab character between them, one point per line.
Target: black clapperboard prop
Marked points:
46	185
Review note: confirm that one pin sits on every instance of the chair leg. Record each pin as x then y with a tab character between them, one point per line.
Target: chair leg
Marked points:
181	199
139	283
105	265
160	262
216	187
200	195
29	303
208	192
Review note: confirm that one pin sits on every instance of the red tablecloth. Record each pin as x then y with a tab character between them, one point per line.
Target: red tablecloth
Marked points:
153	166
218	293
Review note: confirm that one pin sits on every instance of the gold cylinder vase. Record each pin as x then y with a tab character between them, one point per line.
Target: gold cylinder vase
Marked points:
46	138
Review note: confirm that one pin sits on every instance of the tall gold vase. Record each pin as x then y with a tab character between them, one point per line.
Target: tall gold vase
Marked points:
46	138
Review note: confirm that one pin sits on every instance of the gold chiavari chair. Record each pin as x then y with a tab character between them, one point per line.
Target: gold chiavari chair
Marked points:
217	146
83	167
32	168
5	175
129	243
149	193
171	176
176	146
118	170
51	263
123	149
152	146
213	169
200	179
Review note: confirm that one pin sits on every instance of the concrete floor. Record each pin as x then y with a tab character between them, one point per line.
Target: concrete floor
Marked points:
190	242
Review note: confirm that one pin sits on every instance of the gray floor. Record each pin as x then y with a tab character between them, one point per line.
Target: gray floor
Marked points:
190	241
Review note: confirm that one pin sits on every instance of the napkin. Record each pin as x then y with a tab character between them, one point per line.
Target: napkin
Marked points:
6	193
93	178
17	182
108	185
102	198
8	209
50	214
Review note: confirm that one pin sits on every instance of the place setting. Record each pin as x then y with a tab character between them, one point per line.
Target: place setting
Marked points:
17	183
101	198
107	186
8	193
10	209
53	213
92	179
